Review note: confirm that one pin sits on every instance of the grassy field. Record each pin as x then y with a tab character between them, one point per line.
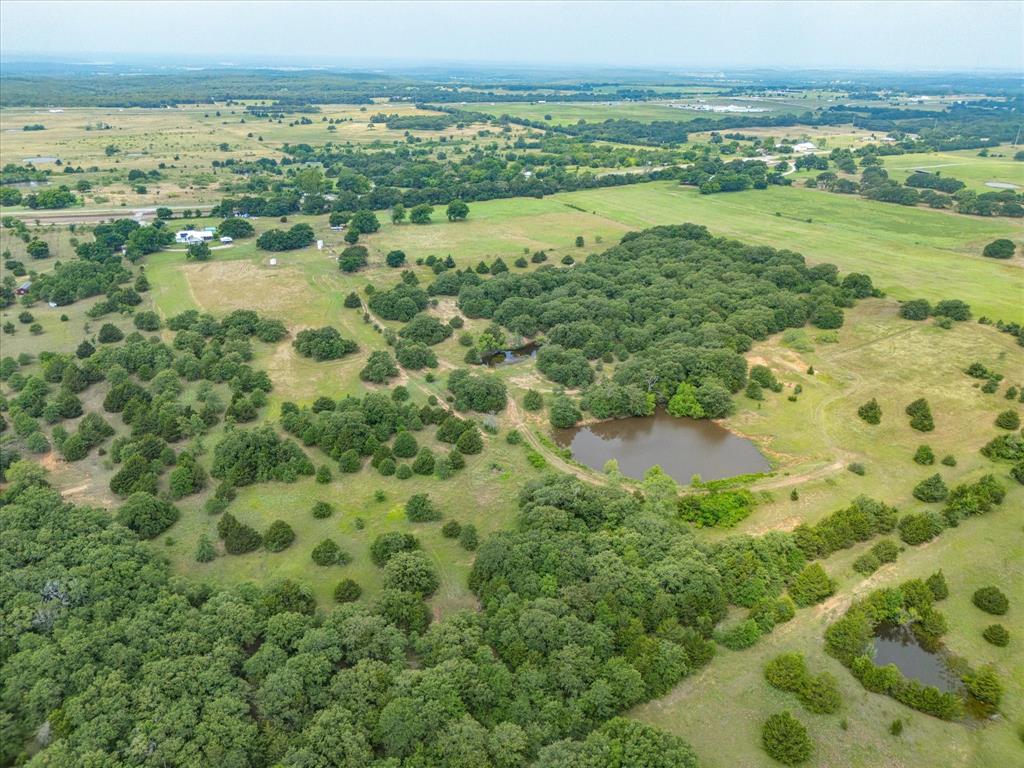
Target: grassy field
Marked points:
965	165
896	361
185	141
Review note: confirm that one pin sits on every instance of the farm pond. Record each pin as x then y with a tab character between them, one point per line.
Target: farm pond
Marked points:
681	447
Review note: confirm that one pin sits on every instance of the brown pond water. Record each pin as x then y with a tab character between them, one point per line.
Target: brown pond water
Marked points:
681	447
512	356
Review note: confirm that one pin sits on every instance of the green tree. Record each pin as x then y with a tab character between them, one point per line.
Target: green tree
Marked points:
871	412
147	515
421	214
684	402
457	211
1000	249
398	213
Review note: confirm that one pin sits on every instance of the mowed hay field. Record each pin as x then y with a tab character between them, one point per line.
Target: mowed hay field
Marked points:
965	165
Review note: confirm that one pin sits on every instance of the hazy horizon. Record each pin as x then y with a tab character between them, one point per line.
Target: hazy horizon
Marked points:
842	36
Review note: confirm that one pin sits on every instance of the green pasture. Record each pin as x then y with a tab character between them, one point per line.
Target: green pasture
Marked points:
965	165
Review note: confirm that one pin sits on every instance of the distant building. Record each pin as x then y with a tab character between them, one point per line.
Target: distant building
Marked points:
24	288
804	146
190	236
227	239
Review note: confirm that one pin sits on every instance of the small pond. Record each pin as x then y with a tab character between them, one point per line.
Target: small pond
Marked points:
682	447
39	159
896	644
512	356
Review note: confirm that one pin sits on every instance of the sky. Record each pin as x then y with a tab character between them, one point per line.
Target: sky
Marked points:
969	35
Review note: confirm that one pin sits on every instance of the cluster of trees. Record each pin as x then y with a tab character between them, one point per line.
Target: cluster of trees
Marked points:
673	303
712	175
298	236
323	344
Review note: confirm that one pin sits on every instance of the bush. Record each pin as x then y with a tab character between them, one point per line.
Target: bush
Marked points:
563	413
147	515
742	636
916	309
920	415
468	538
811	585
327	553
483	393
1000	249
109	334
347	591
820	694
238	537
470	443
787	672
924	455
785	739
451	529
1009	419
917	528
278	536
205	551
380	367
984	685
411	572
949	460
424	463
931	489
991	600
997	635
322	510
533	400
386	545
866	564
323	474
871	412
936	584
420	509
403	471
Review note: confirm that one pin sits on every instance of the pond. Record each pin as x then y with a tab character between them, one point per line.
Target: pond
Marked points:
896	644
512	356
682	447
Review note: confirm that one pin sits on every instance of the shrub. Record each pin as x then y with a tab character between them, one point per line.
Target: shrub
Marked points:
205	551
405	445
386	545
350	461
785	739
886	551
403	472
420	509
787	672
924	455
999	249
866	564
424	463
109	334
563	413
949	460
380	367
811	585
741	636
533	400
936	584
327	553
997	635
820	694
278	536
451	529
871	412
411	572
920	415
322	510
985	686
991	600
919	527
470	442
1008	419
347	591
238	537
468	538
147	515
323	474
916	309
857	468
931	489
